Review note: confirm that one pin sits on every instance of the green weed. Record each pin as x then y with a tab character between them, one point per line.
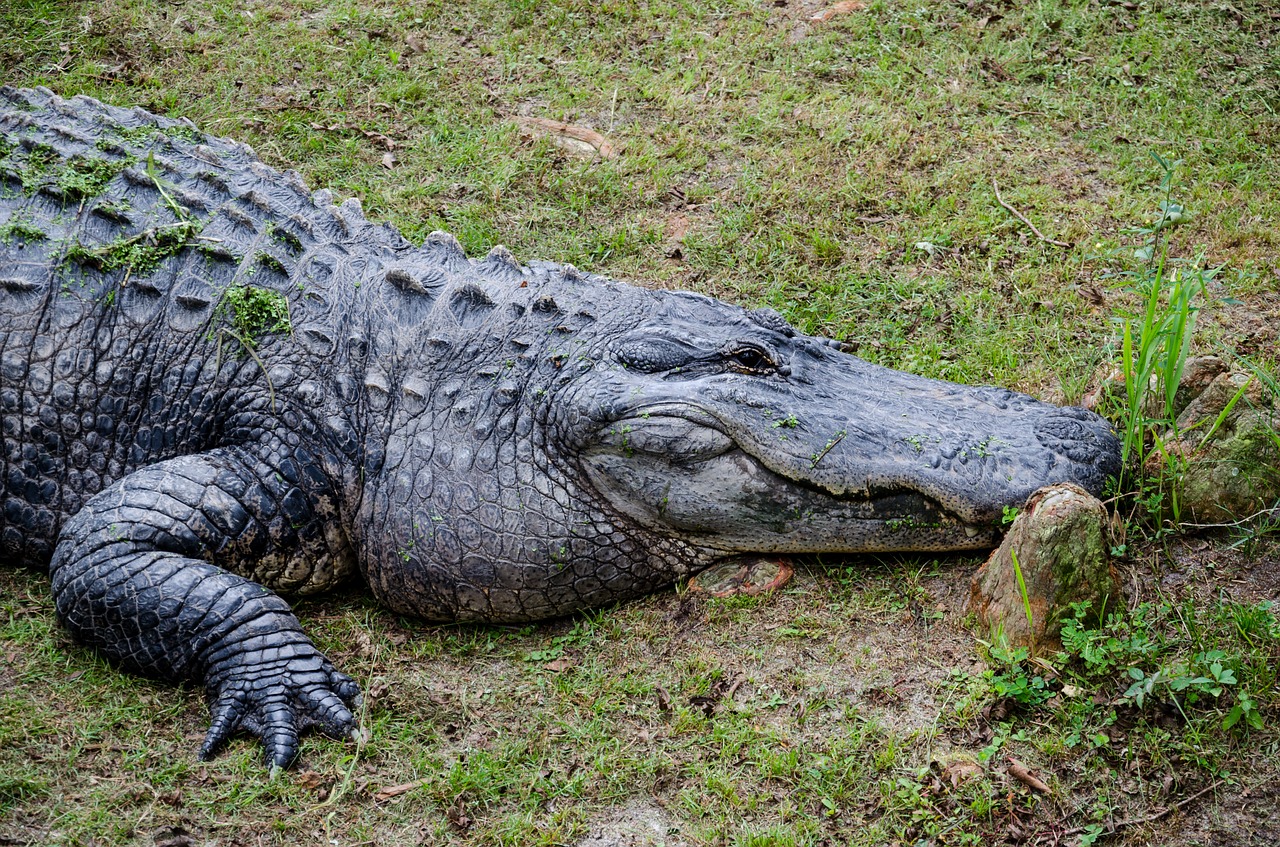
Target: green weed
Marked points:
1022	590
252	312
1155	345
1012	676
81	178
1156	342
138	255
41	160
16	229
1214	660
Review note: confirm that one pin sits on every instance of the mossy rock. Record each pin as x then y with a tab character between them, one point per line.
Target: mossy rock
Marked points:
1060	543
1229	451
1236	474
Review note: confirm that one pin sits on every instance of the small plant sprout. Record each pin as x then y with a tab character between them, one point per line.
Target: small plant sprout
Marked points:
789	422
1022	589
831	442
1155	344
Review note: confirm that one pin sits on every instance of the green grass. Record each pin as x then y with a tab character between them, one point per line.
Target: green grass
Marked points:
772	161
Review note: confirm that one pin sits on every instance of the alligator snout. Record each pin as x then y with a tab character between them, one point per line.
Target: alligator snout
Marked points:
971	450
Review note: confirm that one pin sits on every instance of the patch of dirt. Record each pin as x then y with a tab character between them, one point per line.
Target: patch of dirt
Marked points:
1205	570
892	666
1248	818
1253	323
903	689
640	823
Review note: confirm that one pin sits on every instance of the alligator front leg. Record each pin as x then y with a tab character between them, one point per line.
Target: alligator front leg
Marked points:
134	575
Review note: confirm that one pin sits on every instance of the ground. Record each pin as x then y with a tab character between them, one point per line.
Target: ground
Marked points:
843	171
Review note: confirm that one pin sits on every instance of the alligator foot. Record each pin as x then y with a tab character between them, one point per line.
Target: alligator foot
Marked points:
275	694
742	575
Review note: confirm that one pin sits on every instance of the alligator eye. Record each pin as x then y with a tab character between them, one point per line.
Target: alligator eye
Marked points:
751	359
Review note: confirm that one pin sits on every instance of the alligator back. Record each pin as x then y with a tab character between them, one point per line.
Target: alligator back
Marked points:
144	267
121	234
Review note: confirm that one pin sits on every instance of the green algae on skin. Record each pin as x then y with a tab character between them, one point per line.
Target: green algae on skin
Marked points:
254	312
18	230
83	178
140	254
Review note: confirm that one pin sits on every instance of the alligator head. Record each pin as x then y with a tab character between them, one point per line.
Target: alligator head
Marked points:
731	428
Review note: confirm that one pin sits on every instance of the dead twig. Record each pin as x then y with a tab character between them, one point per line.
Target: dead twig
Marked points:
837	9
575	139
1023	218
1265	513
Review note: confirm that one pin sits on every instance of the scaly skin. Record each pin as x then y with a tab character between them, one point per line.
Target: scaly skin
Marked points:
481	440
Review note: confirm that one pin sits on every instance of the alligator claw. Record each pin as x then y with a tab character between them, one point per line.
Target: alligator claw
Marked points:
277	701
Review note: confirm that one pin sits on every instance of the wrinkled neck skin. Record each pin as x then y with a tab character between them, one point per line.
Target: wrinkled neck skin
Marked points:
474	502
558	441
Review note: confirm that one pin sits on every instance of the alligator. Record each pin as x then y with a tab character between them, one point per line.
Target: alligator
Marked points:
219	388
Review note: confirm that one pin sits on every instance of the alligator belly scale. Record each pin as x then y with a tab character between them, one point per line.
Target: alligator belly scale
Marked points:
218	387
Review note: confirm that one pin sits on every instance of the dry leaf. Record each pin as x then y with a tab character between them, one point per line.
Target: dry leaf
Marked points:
388	160
1092	294
378	137
577	140
309	779
959	773
837	9
457	815
375	137
1023	774
560	664
396	790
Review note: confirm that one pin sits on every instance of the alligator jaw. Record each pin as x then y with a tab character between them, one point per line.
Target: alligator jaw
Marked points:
683	474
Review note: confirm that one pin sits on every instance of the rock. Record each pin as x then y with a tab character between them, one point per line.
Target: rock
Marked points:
1235	473
1061	542
1198	374
1203	410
